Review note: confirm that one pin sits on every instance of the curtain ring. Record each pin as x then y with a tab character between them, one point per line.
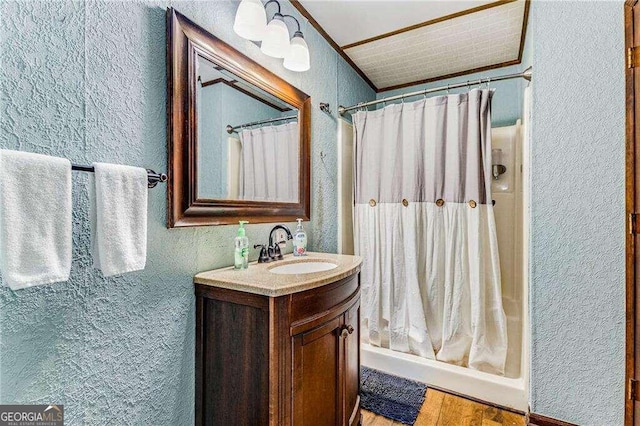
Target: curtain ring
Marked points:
488	82
468	87
448	88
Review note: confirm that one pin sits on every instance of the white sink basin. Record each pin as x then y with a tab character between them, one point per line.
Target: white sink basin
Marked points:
303	268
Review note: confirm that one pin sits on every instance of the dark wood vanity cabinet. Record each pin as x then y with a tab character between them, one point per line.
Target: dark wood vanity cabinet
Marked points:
284	360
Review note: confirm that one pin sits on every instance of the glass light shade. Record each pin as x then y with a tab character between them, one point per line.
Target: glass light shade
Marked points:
275	42
298	57
251	20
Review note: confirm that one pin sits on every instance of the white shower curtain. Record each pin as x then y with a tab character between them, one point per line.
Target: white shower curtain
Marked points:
425	227
269	163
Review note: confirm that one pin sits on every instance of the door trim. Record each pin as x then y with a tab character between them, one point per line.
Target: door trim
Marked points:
631	208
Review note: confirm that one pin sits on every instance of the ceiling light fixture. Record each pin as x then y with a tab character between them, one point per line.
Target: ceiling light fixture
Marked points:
297	59
251	20
251	24
276	38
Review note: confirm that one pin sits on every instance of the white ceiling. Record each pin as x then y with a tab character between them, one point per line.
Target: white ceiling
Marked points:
454	45
349	21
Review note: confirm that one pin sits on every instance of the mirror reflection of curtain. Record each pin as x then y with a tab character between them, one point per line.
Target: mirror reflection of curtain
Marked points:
269	164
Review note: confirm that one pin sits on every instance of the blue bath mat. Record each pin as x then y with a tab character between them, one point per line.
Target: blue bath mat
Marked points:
391	396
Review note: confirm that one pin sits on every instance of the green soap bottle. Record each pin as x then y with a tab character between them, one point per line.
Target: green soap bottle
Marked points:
241	254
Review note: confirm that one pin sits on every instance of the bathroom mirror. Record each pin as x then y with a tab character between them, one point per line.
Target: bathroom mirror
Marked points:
238	135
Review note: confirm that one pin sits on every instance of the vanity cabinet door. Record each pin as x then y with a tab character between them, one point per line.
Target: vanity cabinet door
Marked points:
352	365
317	375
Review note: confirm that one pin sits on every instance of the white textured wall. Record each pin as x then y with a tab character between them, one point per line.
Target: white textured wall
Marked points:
577	222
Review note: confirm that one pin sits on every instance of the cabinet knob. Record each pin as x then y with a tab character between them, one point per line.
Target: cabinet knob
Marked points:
346	331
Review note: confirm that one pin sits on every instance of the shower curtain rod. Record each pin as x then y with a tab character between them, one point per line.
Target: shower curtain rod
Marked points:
526	74
231	129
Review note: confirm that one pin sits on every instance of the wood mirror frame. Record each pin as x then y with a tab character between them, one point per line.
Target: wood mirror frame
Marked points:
185	42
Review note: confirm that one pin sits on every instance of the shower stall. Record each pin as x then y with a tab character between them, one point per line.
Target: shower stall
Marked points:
510	196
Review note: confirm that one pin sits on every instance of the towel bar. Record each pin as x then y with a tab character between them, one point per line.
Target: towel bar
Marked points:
152	177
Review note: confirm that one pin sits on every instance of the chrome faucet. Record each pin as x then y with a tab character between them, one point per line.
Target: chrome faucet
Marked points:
272	252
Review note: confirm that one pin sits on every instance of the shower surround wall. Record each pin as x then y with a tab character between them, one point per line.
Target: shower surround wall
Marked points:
86	81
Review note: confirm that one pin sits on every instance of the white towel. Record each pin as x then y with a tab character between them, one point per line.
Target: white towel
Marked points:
35	219
119	218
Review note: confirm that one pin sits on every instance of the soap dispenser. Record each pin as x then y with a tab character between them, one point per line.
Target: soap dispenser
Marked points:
241	254
299	240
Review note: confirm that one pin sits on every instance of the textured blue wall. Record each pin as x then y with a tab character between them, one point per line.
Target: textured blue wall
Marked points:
222	105
577	212
86	81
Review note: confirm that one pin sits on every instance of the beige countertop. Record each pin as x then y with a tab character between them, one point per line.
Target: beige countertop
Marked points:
258	280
